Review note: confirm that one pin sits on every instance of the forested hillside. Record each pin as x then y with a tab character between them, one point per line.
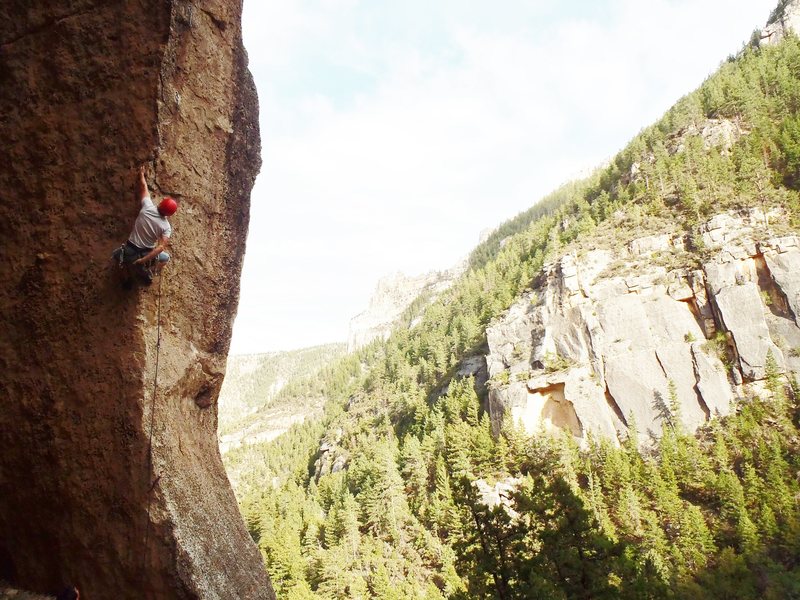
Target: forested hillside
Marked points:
402	490
253	381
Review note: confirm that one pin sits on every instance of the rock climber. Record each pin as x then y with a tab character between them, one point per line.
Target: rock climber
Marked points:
145	251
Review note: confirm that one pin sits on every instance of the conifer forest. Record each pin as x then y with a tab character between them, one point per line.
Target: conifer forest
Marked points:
384	496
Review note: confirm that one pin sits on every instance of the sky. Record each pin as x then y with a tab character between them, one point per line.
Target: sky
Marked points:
395	132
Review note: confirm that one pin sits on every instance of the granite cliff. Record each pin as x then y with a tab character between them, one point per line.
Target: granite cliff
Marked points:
89	90
608	336
392	296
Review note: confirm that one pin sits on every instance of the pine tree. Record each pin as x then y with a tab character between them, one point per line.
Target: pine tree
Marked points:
574	553
415	474
774	380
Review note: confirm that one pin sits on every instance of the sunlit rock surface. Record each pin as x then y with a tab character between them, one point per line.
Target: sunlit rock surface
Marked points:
786	21
607	337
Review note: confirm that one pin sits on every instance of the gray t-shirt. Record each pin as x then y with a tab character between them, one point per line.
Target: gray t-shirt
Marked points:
150	226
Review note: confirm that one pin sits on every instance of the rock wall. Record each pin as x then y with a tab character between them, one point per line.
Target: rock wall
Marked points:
607	336
88	90
786	20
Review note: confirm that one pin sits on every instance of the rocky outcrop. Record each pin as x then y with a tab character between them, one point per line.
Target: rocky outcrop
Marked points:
607	337
88	90
331	457
786	20
498	495
721	134
392	296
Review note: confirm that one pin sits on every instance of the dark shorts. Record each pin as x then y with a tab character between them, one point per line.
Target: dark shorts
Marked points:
132	252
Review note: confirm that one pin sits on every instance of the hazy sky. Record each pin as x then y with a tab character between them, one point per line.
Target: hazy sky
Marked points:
394	132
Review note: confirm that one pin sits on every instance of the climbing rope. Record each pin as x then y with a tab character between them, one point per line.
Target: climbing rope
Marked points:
152	422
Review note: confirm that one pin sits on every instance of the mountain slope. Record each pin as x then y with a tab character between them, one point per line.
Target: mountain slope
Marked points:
252	382
413	491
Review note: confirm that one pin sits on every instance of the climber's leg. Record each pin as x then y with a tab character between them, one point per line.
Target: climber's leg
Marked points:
122	260
161	260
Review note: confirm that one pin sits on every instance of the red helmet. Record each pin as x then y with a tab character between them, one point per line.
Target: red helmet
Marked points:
167	207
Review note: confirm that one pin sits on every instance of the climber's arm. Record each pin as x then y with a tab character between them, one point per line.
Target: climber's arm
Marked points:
141	188
162	245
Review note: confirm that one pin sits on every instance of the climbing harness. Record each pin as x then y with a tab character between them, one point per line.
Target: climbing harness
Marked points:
150	471
126	254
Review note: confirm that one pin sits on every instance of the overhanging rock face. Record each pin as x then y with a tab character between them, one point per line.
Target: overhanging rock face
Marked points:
88	90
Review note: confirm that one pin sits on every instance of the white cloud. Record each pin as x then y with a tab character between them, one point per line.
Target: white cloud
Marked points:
391	139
